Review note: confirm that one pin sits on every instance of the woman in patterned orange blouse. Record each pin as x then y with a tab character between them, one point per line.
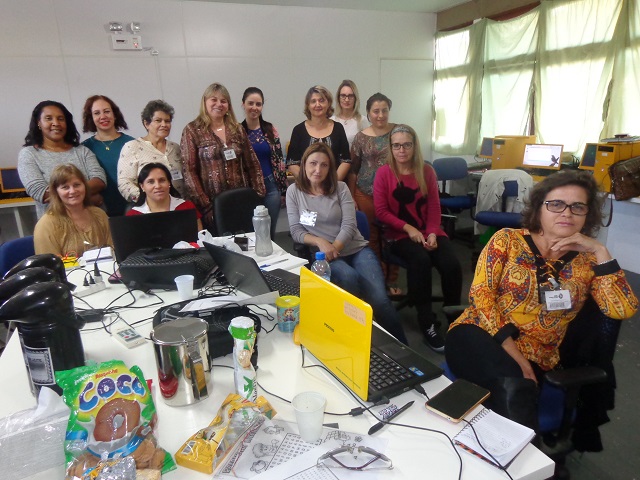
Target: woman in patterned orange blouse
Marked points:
529	284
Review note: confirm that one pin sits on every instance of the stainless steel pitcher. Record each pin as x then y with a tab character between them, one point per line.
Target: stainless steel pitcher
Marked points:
182	356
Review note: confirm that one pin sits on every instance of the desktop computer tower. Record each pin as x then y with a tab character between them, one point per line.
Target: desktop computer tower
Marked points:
508	150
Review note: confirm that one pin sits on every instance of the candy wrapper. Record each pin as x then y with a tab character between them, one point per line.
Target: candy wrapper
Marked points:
242	329
206	450
112	417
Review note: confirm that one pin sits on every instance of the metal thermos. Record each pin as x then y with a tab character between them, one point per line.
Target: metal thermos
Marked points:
182	356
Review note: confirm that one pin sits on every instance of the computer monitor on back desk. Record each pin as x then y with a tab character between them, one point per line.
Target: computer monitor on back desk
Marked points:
543	156
588	160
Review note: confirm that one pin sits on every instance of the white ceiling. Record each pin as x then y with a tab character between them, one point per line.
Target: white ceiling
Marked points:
423	6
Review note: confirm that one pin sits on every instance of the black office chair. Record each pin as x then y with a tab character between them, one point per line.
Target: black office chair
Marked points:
447	170
575	398
233	210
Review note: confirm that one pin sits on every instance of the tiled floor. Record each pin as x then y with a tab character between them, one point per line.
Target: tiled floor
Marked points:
621	436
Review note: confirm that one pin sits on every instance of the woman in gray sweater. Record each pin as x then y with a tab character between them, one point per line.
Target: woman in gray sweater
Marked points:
322	214
54	140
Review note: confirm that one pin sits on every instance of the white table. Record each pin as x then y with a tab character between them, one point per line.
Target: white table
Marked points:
413	452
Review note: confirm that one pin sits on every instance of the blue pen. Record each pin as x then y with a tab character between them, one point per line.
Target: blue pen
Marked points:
273	263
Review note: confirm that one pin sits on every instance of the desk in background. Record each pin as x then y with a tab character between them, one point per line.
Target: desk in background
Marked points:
23	210
413	452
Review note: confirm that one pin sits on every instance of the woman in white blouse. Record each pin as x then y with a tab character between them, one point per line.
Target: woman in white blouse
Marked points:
348	110
154	147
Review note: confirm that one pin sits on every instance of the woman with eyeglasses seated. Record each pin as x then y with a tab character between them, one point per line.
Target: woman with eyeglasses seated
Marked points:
348	110
407	202
322	214
530	283
71	225
157	193
154	147
319	128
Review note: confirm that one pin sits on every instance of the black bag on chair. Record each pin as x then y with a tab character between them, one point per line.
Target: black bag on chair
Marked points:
625	178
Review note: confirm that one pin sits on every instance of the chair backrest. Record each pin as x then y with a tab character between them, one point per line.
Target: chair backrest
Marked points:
363	224
233	210
14	251
450	168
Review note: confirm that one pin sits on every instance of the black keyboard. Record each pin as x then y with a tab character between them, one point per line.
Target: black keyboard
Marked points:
281	285
384	372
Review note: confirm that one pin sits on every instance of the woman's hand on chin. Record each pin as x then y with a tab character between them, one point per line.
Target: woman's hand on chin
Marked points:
577	243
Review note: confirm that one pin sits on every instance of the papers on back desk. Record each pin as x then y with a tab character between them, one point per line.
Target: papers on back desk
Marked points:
203	304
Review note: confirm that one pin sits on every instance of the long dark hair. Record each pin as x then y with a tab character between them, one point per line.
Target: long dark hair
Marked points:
34	137
88	125
584	180
266	127
144	173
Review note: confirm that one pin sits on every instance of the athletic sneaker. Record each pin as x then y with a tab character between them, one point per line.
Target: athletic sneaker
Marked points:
434	340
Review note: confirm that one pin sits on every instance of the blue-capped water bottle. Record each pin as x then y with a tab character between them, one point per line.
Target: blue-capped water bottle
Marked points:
321	266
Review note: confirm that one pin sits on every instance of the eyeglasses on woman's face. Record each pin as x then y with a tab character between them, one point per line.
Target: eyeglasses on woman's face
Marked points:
347	96
405	145
558	206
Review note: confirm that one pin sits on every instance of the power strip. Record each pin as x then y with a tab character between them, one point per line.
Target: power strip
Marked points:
91	289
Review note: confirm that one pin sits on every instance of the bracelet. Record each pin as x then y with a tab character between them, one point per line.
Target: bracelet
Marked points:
606	261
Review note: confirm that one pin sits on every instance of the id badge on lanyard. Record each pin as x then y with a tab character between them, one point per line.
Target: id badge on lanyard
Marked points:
554	297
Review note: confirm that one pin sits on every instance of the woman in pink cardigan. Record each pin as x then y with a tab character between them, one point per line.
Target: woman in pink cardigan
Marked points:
406	199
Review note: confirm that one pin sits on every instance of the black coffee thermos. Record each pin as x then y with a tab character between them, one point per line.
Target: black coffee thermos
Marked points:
48	327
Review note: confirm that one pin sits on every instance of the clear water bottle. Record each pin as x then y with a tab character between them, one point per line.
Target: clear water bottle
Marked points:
262	227
321	266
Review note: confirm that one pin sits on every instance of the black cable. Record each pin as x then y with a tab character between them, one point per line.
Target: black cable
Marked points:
497	463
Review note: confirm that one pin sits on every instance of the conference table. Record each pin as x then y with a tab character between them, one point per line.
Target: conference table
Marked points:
415	453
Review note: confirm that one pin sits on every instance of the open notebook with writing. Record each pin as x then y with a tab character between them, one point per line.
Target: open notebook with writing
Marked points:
504	439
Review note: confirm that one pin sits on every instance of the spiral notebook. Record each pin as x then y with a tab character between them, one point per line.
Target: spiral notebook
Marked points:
504	439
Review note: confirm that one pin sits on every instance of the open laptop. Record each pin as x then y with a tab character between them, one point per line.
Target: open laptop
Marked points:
244	273
337	328
153	230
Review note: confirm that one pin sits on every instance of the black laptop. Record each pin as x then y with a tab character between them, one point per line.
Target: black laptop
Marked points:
152	230
244	273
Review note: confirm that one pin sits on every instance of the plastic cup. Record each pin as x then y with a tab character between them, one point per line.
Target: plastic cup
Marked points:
184	283
309	407
288	312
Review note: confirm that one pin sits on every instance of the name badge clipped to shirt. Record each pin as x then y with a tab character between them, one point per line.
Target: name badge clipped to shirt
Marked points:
176	174
308	218
556	298
229	154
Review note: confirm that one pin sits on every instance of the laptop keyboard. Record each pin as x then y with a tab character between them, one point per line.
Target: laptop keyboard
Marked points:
384	372
281	285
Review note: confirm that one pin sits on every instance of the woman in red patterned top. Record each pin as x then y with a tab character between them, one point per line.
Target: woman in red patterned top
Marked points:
157	193
530	283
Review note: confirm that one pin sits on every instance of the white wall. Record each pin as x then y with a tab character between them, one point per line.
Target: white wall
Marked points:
60	50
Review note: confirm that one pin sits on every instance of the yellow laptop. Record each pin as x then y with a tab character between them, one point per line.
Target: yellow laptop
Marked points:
337	328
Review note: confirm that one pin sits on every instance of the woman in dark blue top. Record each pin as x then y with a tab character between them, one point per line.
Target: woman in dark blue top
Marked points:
265	142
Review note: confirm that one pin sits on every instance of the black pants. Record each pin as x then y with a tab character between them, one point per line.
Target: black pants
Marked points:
419	262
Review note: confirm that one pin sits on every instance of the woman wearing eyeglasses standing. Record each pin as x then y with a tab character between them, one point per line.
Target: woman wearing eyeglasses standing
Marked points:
407	201
530	283
348	110
319	128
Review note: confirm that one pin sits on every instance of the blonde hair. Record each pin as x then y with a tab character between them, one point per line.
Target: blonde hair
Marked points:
61	175
204	121
320	90
417	162
356	106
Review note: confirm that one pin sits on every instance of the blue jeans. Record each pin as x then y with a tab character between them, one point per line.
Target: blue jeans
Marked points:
361	275
272	202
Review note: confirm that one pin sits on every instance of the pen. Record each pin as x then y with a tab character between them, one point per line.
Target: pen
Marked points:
273	263
379	425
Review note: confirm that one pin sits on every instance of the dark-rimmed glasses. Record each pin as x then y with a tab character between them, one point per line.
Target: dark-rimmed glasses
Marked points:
558	206
371	456
405	145
347	96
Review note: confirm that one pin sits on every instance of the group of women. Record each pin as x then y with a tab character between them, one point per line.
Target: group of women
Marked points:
530	283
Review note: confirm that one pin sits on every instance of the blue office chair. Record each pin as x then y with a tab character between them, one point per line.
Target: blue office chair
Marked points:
449	169
502	218
14	251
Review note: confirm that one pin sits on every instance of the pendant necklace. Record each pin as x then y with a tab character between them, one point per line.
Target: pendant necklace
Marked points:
107	145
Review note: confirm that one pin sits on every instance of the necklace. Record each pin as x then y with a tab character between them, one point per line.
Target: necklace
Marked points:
107	144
